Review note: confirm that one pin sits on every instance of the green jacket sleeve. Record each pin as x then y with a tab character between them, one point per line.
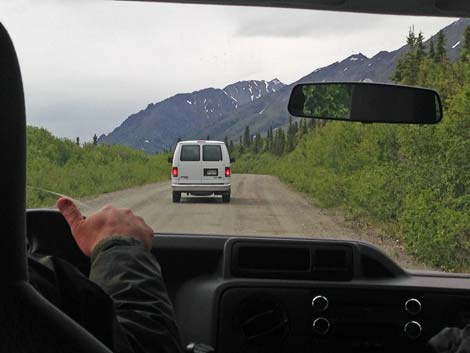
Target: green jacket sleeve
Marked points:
132	277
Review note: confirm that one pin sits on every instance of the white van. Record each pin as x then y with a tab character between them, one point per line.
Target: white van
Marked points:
201	168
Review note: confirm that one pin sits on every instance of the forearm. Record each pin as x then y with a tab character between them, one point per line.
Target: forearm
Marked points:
132	277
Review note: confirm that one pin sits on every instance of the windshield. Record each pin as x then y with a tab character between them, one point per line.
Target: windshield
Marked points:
112	87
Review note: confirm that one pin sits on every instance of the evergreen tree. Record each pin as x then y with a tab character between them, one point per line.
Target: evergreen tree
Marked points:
399	71
408	64
279	142
267	141
290	136
270	139
411	38
465	51
441	54
266	144
275	142
226	141
432	51
95	139
420	49
247	137
77	141
257	143
282	141
231	147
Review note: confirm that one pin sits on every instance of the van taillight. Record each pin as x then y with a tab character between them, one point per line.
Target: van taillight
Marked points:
174	171
228	172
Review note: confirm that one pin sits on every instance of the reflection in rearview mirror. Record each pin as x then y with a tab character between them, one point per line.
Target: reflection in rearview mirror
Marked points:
366	102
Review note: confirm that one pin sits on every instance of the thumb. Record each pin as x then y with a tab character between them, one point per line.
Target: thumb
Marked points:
70	212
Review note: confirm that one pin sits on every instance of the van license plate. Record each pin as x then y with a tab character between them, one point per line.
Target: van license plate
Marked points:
210	172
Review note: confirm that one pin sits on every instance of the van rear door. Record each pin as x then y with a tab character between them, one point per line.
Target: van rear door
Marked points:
189	168
213	165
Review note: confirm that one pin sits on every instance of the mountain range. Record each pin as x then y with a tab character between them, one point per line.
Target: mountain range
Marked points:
258	104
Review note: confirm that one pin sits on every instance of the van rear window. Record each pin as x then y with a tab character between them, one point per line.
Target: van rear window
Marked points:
190	153
211	153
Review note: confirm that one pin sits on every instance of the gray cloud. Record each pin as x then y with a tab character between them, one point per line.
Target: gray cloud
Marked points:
298	23
87	65
325	24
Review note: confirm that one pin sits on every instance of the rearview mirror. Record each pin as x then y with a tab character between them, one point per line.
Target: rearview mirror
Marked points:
366	102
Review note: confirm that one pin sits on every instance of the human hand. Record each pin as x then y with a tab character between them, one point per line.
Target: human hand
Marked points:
108	221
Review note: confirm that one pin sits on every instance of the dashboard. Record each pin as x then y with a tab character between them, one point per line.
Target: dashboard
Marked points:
250	295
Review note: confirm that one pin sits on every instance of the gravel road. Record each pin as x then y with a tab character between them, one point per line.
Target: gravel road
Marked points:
261	205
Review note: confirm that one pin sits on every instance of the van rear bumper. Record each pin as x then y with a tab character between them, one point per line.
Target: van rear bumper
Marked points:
201	187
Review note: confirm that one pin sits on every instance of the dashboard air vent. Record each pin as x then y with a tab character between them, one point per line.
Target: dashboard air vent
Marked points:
263	322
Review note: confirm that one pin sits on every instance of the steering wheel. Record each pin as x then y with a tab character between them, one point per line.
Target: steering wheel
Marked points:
49	234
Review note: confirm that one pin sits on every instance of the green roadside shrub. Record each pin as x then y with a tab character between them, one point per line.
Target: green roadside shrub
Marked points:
61	166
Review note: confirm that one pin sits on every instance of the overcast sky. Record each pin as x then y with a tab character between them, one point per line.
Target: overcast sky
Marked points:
89	64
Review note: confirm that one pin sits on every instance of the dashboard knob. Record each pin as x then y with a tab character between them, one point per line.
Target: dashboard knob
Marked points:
321	326
412	329
413	306
320	303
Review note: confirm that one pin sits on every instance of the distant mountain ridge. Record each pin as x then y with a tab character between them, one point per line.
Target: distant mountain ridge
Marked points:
159	125
258	104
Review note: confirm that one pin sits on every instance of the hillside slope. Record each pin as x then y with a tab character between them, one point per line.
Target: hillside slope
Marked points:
159	125
272	110
259	104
